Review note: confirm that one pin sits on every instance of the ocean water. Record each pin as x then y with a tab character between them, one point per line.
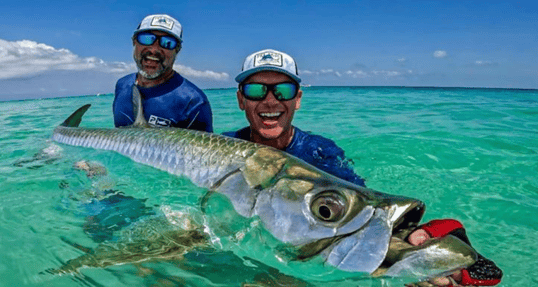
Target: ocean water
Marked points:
469	154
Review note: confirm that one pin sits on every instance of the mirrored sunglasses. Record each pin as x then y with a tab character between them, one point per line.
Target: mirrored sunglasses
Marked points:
147	39
258	92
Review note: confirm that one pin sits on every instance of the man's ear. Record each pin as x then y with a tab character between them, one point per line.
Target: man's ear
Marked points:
298	99
241	100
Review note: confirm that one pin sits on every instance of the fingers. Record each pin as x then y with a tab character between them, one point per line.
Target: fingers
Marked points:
418	237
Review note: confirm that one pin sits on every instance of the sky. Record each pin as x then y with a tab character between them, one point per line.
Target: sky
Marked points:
69	48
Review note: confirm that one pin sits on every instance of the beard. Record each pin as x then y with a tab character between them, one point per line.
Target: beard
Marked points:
150	76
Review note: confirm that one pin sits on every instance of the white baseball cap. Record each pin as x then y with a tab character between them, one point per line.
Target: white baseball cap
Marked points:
161	22
269	60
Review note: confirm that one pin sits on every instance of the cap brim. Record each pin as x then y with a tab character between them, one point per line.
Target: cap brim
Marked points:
243	75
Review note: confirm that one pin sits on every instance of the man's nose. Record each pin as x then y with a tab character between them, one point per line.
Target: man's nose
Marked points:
271	98
155	45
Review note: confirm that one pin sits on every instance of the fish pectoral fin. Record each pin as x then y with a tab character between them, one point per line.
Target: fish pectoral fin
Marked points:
236	187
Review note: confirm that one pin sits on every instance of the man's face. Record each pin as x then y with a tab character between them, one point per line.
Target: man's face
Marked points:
153	61
269	118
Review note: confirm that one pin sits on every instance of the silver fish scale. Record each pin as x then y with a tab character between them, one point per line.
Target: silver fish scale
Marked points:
202	157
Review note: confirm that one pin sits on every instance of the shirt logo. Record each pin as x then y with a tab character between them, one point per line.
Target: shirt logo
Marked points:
157	121
267	58
162	21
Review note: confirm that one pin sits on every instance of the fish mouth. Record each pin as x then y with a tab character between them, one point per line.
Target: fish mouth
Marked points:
380	247
435	257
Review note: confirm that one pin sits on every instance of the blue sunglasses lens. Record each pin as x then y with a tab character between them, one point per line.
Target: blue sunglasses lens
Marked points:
146	39
168	42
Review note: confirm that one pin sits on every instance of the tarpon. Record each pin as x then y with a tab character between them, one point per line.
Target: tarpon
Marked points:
352	228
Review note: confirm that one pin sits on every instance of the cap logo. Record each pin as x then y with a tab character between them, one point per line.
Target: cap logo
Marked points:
162	21
268	58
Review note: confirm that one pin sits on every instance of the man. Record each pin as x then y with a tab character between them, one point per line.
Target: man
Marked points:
269	93
168	99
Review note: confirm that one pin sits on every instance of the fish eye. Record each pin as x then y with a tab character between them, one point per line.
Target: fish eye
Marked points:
329	206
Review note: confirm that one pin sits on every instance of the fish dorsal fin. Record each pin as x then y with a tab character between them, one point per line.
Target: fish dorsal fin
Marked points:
138	109
75	118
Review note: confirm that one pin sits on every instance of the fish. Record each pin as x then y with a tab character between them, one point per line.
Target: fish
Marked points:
150	239
312	213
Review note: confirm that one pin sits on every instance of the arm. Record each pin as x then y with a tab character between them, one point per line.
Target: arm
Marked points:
324	154
341	167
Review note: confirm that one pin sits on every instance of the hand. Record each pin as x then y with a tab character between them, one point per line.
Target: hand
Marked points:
418	237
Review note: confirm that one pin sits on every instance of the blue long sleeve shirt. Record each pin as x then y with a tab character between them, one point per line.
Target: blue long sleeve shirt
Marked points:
175	103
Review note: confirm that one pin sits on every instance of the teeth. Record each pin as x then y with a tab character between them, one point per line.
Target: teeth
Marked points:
152	58
270	115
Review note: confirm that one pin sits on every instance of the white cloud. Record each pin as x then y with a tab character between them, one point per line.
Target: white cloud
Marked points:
322	72
440	54
387	74
28	58
357	74
192	73
485	63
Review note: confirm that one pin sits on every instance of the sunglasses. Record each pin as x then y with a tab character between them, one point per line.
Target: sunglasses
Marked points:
258	92
147	39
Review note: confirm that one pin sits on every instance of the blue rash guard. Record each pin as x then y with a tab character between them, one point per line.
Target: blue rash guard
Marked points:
316	150
175	103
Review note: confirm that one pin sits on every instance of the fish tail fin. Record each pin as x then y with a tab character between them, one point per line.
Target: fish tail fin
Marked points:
75	118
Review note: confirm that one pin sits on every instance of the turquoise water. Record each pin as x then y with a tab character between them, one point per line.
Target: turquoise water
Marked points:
469	154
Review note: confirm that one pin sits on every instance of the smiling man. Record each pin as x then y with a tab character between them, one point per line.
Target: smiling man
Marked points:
168	99
269	93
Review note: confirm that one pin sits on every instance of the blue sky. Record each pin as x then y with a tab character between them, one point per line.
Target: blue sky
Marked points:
67	48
